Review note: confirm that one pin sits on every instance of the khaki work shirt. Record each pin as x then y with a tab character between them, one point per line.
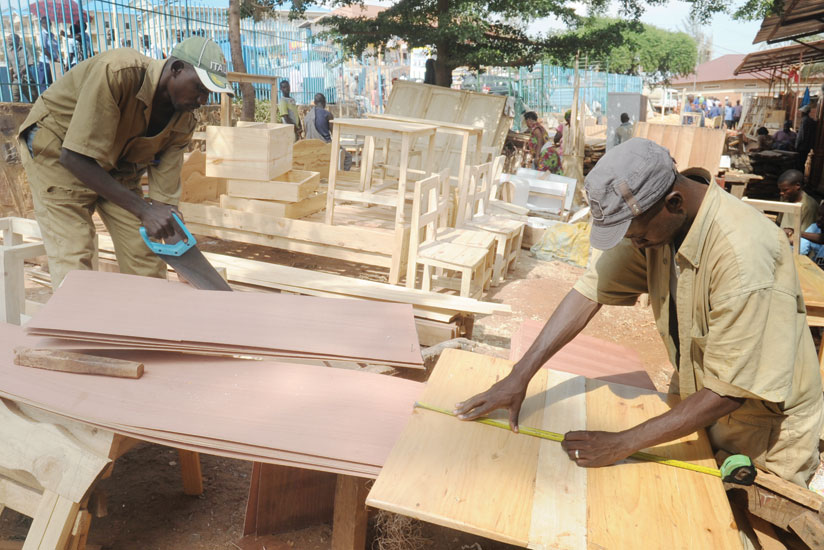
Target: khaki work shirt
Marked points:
101	109
742	328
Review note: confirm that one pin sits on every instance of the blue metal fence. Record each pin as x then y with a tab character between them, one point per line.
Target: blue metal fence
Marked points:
45	38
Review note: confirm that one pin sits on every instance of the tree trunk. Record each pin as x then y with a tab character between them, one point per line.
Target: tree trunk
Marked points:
443	67
247	91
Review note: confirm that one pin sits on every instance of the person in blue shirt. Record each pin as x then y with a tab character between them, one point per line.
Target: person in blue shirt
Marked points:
317	123
715	110
728	115
812	243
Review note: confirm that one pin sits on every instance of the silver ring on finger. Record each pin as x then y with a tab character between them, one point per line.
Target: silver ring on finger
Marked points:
577	454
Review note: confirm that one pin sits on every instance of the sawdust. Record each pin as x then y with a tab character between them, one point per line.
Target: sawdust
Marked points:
396	532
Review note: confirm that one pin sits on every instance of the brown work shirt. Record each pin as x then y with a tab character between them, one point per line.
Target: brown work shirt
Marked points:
101	109
741	327
809	213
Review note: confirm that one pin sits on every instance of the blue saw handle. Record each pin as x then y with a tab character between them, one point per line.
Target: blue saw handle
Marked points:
177	249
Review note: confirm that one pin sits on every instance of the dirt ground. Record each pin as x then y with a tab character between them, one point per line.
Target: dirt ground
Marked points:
147	509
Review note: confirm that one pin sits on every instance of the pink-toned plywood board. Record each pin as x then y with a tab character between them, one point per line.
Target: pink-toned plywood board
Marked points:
586	356
336	419
140	309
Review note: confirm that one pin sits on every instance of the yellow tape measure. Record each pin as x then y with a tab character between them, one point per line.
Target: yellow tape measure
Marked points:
552	436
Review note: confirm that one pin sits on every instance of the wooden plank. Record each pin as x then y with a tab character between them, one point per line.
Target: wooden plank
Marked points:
349	521
364	239
810	529
312	155
292	498
292	186
18	497
641	499
560	523
285	243
437	471
190	472
78	363
446	472
310	205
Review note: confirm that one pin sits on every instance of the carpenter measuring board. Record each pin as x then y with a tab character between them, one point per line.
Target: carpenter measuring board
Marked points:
525	491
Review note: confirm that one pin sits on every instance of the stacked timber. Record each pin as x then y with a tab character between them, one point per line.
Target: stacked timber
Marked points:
256	160
769	165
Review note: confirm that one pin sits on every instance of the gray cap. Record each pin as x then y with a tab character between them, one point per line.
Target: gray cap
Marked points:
806	108
624	184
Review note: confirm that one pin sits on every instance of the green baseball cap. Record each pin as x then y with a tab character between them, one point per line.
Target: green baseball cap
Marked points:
207	58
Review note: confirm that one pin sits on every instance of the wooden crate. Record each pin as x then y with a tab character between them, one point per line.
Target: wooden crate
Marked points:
252	150
280	209
293	186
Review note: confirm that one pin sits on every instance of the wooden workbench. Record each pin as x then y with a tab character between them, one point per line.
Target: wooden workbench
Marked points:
525	491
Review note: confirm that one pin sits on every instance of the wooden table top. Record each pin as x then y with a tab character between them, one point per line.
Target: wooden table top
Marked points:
438	123
373	125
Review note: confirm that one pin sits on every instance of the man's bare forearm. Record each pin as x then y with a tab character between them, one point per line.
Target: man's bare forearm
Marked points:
573	314
87	170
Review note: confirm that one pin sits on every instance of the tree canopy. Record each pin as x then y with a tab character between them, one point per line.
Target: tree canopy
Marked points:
473	33
656	54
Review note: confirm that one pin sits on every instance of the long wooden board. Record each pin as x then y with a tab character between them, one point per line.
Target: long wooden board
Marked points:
482	479
135	309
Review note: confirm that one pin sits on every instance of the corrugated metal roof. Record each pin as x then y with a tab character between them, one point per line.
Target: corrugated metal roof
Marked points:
715	70
800	18
782	57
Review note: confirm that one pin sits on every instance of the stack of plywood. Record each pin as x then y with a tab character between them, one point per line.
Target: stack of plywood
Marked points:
130	312
336	420
256	160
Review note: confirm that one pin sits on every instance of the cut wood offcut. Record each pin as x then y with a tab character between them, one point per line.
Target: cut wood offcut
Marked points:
141	312
291	186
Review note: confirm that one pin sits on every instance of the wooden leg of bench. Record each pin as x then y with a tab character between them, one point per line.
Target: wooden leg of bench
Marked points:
190	471
52	524
349	524
80	532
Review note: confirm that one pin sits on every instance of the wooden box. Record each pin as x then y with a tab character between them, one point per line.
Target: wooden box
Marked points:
251	150
292	186
278	209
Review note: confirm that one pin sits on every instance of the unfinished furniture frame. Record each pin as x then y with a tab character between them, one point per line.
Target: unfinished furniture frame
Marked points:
448	131
792	209
426	249
473	212
407	133
226	99
13	253
49	466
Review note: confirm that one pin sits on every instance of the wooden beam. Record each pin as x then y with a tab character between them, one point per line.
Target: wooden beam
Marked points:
190	471
349	522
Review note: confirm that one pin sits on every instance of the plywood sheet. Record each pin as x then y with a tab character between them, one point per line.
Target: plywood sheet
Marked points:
334	419
585	355
135	308
689	146
485	480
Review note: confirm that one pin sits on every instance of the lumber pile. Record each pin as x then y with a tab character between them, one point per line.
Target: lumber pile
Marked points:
131	312
450	472
593	151
256	160
334	420
769	165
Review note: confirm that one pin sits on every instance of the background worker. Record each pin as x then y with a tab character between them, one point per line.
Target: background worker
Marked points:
288	109
92	135
805	139
727	303
789	190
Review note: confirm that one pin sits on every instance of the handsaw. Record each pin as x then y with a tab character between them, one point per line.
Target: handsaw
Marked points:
185	258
